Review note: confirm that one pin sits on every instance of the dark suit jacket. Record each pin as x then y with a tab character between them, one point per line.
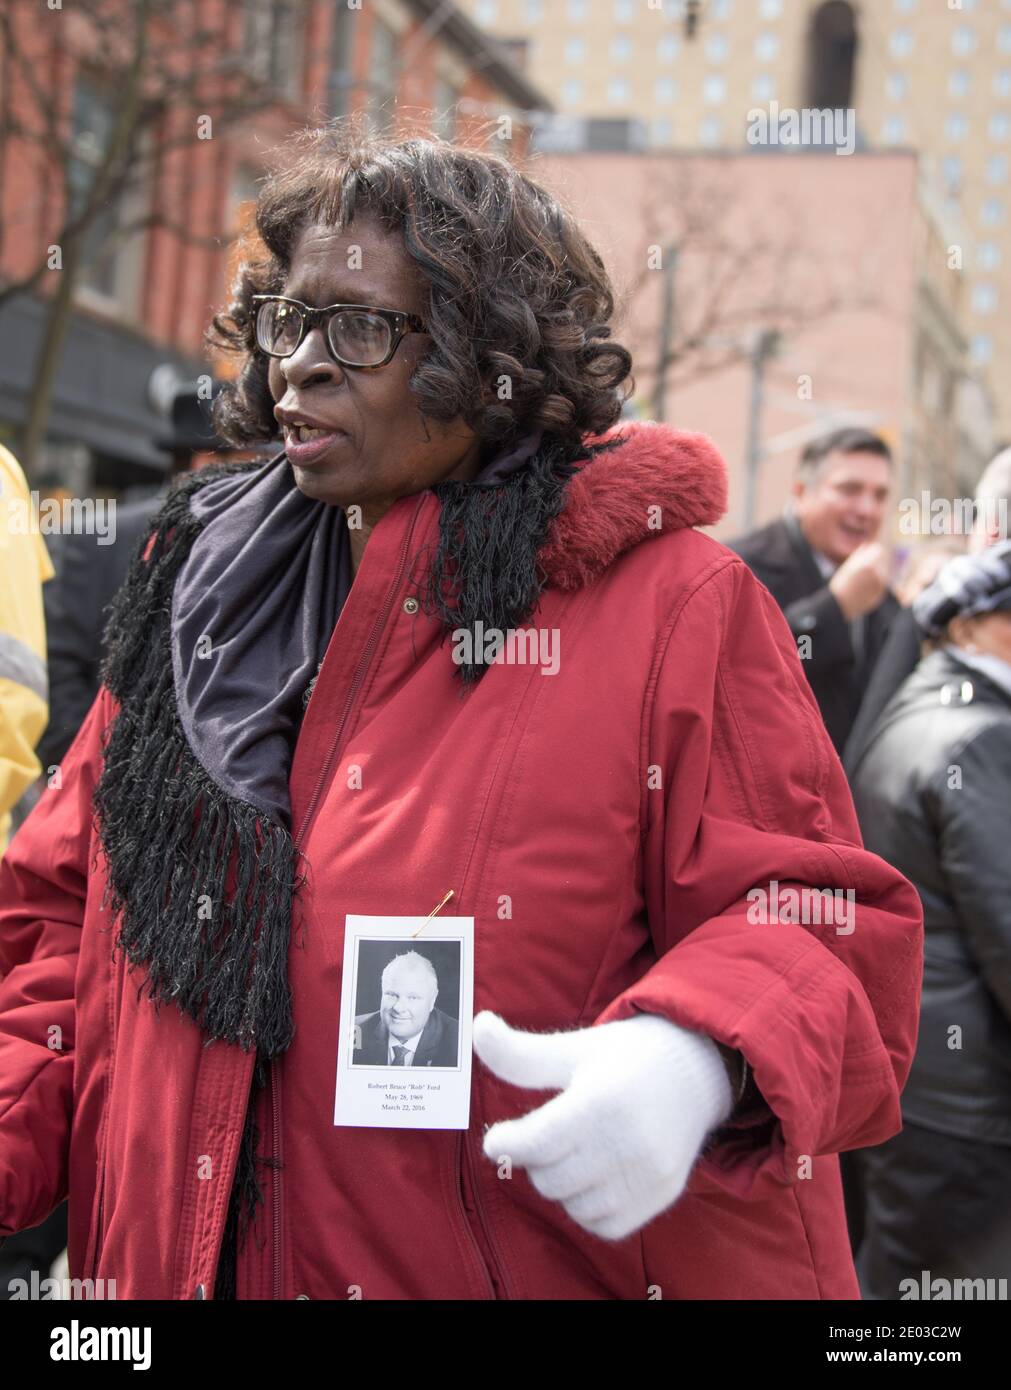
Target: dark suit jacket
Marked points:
438	1045
781	558
897	660
76	603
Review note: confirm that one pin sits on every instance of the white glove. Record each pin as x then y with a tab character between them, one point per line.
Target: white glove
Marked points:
638	1099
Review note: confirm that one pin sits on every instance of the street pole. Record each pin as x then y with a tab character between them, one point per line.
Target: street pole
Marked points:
765	345
666	332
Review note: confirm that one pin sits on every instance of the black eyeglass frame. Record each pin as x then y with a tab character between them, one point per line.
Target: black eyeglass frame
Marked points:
400	325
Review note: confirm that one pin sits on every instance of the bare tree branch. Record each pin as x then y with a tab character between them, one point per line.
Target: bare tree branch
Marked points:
733	279
159	65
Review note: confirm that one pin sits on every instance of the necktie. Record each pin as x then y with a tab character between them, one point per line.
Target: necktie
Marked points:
399	1053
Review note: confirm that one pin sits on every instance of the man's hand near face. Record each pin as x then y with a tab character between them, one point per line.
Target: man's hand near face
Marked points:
861	581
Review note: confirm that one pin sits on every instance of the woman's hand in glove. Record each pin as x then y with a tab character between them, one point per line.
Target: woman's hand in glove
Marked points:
637	1101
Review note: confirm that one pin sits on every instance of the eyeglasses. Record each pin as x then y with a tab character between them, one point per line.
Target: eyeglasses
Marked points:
356	334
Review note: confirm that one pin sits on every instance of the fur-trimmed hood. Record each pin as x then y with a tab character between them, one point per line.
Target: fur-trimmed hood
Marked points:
658	480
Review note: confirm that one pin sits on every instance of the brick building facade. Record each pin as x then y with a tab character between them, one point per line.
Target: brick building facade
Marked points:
143	300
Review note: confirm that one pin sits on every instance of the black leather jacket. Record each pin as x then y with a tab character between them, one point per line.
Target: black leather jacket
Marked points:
933	793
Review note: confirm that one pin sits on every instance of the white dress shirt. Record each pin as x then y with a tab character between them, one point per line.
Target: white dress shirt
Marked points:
410	1043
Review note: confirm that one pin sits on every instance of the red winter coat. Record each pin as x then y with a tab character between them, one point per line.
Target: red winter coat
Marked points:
625	806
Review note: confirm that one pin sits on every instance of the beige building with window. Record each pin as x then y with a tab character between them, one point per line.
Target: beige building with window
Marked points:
932	76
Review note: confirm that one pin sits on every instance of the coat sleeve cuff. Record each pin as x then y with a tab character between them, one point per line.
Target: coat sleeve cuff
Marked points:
794	1107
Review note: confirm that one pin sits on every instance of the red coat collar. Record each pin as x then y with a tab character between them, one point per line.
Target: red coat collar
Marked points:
609	501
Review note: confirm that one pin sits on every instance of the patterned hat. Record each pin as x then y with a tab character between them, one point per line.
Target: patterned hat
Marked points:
966	586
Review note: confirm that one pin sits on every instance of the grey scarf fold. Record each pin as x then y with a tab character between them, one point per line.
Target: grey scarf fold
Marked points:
253	611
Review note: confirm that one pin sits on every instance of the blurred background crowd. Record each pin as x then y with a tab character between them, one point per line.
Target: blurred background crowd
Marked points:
830	307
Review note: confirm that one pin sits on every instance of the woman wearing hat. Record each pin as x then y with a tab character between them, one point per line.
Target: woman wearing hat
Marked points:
292	737
933	793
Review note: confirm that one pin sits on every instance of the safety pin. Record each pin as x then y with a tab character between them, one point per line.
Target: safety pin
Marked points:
438	907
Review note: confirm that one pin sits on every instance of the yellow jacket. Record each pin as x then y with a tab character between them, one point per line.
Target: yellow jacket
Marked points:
24	707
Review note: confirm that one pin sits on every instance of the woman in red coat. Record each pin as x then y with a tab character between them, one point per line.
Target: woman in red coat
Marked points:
303	724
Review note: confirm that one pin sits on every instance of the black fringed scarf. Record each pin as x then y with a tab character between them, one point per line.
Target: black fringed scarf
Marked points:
221	625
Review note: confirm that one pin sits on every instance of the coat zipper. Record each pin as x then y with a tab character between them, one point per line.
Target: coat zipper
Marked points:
494	1276
98	1223
275	1102
371	642
361	670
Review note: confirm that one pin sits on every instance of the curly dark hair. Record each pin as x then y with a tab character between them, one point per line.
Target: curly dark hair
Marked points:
515	289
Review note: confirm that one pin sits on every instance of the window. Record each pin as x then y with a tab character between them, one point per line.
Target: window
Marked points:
342	80
956	127
486	11
271	44
662	133
766	47
110	260
996	168
951	171
831	56
664	91
575	51
624	11
533	11
991	214
980	350
999	128
667	50
897	86
576	11
242	199
770	9
714	89
446	98
717	48
572	91
893	132
710	130
988	256
621	49
959	84
963	40
1004	38
619	92
721	9
1002	83
763	88
984	299
905	6
92	129
384	77
901	43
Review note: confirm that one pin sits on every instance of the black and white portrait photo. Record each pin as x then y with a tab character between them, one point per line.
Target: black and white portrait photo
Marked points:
405	1042
407	1004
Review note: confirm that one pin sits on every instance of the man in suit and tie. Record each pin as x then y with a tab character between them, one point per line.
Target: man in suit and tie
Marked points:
824	566
408	1030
